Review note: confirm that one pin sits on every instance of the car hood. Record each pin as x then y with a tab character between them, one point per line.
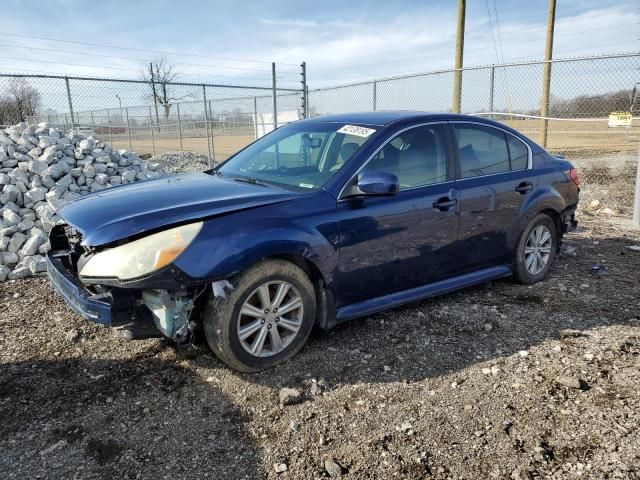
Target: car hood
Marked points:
123	211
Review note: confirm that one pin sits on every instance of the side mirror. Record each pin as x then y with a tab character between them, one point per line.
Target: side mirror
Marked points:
378	184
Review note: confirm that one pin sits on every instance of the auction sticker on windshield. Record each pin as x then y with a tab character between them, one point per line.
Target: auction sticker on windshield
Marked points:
357	131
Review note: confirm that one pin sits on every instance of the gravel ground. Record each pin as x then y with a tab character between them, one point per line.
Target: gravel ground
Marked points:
181	162
497	381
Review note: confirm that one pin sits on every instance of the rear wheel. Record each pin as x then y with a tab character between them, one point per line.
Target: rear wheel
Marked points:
536	250
265	320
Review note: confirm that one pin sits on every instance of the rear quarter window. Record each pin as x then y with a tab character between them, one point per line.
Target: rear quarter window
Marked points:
518	152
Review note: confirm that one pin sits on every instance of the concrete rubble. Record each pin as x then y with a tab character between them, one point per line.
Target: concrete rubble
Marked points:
41	170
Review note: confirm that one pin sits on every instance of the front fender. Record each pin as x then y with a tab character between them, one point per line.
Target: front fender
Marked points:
228	245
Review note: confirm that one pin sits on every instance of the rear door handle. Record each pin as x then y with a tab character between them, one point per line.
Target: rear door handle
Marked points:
524	187
444	203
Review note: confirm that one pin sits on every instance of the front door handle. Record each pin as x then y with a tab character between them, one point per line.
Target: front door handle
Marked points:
444	203
524	187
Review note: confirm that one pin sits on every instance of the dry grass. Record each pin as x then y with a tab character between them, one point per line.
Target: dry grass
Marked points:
606	158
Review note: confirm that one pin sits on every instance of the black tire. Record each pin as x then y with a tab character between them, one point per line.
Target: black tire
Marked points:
221	315
521	274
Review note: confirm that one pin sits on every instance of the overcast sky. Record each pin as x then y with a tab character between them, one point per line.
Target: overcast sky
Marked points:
341	41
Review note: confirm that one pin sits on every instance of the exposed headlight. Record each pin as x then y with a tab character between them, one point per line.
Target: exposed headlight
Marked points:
142	256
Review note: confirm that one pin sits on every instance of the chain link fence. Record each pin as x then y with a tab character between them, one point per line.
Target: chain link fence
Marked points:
584	92
215	120
218	120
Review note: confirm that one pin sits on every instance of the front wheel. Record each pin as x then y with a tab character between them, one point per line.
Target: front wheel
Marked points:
536	250
266	318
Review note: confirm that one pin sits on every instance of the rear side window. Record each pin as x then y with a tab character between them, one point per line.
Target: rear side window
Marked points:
486	151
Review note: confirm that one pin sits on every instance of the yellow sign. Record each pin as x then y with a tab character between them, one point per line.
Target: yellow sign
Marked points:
620	119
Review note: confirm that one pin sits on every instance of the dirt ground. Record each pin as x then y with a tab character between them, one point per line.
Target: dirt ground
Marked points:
497	381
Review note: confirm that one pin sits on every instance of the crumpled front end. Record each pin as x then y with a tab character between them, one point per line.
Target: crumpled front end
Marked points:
160	304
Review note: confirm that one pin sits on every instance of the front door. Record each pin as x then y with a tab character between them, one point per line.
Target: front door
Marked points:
390	244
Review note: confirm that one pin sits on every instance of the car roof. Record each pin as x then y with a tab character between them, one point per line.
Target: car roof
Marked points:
385	117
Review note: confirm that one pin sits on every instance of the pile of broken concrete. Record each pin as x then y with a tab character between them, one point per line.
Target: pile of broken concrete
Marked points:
41	170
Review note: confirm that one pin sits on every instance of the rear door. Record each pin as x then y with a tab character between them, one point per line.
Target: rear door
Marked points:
390	244
494	178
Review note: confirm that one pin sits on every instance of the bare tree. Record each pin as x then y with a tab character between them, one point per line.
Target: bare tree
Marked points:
21	101
160	73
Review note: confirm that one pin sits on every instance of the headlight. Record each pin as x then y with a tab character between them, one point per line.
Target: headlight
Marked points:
141	256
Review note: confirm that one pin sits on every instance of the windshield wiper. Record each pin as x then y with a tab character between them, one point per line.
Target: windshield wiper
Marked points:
250	180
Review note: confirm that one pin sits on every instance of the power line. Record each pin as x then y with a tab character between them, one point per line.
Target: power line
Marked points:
49	39
358	65
129	58
422	47
126	69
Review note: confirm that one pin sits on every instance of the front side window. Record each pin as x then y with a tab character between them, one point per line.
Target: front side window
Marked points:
486	151
416	156
299	156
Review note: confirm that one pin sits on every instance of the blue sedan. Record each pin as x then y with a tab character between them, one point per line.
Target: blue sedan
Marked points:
321	221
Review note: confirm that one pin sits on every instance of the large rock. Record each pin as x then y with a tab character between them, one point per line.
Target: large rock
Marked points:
11	218
31	246
17	239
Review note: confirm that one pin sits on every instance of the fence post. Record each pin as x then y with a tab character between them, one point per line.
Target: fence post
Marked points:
126	111
153	135
179	125
491	88
375	95
213	143
93	123
206	121
66	122
636	209
305	100
273	94
66	80
109	127
255	116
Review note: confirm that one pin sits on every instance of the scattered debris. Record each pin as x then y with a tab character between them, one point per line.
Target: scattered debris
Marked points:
599	271
571	382
280	467
333	468
289	396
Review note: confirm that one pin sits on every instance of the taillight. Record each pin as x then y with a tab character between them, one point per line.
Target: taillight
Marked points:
573	176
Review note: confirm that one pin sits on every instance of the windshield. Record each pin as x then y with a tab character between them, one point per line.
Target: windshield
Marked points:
299	156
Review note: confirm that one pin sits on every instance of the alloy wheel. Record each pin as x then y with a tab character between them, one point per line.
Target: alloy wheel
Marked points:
537	250
270	318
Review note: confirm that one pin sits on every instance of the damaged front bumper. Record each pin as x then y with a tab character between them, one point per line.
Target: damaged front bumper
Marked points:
95	307
134	312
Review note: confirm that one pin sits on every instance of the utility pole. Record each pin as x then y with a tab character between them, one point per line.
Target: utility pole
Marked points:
546	78
457	75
